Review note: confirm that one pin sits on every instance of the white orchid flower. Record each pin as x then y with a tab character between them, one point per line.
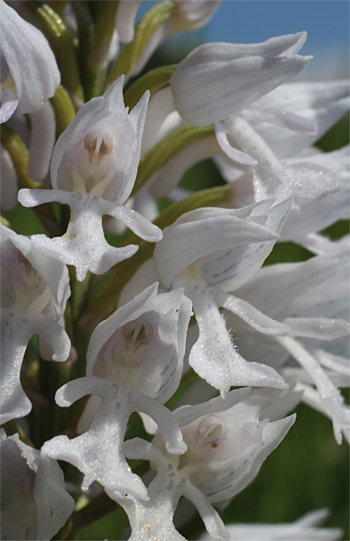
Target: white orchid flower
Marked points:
34	292
34	502
227	444
312	298
242	118
218	79
321	212
210	252
93	170
134	363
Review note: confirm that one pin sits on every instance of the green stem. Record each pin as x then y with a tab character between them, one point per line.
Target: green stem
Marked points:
153	81
144	31
62	45
166	149
64	109
97	60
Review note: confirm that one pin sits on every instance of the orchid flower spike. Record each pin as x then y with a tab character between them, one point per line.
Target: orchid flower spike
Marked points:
134	363
93	170
227	443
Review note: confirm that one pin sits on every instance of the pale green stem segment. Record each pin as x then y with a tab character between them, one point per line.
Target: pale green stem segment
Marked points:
166	149
144	31
153	81
19	155
6	223
97	59
106	301
56	32
64	109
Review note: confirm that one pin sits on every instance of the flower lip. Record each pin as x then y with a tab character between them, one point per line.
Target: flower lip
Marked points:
202	439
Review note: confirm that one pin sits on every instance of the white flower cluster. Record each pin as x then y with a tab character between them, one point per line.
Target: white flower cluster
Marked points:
139	320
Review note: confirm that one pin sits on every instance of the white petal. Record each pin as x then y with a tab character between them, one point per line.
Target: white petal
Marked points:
42	141
140	225
184	243
8	184
31	62
256	319
107	327
201	82
168	177
125	19
8	105
331	398
318	327
232	152
53	503
214	357
98	452
75	126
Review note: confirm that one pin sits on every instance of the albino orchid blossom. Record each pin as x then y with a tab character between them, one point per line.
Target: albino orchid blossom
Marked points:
199	88
213	85
29	77
219	79
93	170
34	502
272	131
227	443
312	298
34	292
210	252
134	363
306	527
317	214
275	131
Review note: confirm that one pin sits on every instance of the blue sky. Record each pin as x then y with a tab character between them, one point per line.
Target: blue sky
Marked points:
248	21
326	22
